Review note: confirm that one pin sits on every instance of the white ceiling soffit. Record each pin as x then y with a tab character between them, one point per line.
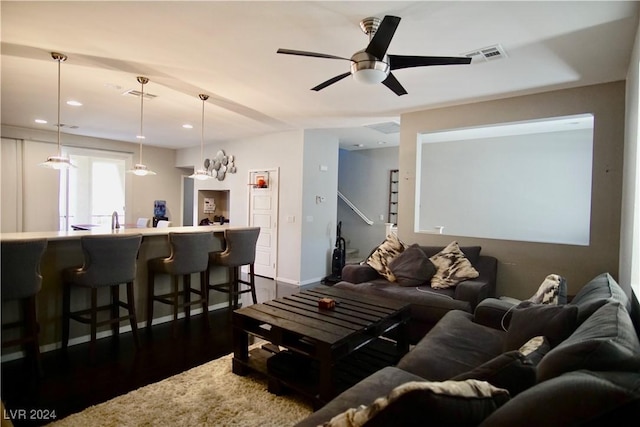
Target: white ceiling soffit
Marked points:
228	50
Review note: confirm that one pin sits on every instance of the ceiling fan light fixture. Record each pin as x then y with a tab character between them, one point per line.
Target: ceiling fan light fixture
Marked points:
369	76
367	69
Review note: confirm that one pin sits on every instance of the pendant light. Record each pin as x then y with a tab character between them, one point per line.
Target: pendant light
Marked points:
58	161
201	174
141	169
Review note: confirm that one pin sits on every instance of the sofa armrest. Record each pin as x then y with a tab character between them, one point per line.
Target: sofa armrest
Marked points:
495	313
358	273
483	286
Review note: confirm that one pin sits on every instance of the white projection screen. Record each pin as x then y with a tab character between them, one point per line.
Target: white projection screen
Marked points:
524	181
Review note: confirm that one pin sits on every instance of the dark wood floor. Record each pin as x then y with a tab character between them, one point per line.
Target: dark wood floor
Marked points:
72	382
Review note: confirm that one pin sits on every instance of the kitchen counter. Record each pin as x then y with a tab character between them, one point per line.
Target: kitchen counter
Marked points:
75	234
64	250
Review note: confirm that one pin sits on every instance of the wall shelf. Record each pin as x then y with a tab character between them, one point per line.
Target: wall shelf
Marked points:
393	196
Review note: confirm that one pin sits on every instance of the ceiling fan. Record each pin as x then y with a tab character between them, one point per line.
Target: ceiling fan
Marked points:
372	64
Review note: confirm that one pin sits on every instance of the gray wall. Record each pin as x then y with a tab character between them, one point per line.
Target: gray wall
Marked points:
523	265
363	178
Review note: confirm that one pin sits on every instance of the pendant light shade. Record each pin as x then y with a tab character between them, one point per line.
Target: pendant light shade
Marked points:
58	161
201	174
140	168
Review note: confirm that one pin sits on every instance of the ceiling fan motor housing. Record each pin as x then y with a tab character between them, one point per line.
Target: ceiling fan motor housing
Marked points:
366	68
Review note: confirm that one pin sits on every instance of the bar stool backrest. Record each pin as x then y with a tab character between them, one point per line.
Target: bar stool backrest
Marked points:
240	246
189	252
108	260
21	276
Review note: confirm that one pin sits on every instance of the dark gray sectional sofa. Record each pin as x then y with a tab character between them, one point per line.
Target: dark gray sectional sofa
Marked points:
428	305
586	373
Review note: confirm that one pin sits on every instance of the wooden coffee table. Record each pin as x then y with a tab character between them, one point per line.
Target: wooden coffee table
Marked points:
327	350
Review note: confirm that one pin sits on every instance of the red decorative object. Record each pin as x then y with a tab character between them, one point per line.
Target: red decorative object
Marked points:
326	303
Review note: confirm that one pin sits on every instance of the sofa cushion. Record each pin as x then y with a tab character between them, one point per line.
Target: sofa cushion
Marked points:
605	341
452	267
580	398
596	293
380	383
555	322
419	403
453	346
514	370
383	254
412	267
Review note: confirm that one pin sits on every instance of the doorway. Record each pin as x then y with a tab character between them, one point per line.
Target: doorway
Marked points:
263	213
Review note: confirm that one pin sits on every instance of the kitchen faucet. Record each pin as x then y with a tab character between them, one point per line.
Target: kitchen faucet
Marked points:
114	220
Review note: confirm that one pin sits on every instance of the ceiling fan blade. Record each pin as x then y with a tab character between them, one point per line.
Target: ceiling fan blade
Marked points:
331	81
380	42
397	62
312	54
392	83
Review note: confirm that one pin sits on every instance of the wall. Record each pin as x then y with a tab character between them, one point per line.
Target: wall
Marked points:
522	265
630	229
293	153
364	179
32	191
320	179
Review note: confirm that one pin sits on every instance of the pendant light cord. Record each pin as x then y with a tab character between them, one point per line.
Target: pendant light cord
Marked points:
141	116
204	98
59	150
202	129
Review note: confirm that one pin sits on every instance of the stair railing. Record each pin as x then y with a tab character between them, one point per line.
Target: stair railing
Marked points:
355	209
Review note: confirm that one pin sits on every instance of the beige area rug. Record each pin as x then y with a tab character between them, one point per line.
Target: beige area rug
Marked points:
207	395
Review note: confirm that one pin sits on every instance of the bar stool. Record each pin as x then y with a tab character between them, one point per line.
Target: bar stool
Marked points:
109	261
21	280
189	254
240	250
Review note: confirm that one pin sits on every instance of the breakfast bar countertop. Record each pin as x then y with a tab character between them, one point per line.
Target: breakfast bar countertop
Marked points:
74	234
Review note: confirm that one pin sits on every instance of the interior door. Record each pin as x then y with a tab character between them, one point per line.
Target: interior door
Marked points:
263	213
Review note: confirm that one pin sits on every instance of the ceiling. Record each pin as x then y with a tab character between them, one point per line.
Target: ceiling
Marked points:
228	51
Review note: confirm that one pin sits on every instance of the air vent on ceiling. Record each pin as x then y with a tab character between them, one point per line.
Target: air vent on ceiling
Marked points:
137	93
489	53
386	127
62	125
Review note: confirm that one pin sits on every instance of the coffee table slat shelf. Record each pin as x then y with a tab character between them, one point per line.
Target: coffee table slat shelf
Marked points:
333	347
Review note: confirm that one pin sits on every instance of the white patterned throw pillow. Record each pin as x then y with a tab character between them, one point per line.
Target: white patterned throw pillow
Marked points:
381	257
553	290
438	403
452	267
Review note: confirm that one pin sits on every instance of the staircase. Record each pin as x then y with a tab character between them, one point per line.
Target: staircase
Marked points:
353	256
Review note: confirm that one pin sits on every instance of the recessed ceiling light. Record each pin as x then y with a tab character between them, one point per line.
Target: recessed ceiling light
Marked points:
187	126
74	103
382	142
41	121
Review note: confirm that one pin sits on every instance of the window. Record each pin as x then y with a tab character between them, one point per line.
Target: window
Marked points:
95	189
